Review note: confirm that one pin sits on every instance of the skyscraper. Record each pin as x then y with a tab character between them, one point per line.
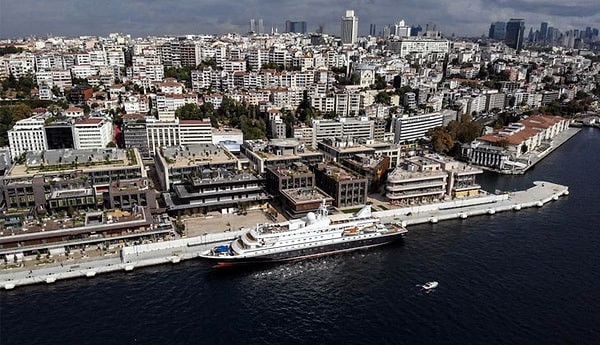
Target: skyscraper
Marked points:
543	31
260	27
297	27
515	29
373	30
349	27
497	30
256	26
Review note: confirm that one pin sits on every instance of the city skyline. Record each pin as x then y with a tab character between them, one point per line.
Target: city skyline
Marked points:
143	18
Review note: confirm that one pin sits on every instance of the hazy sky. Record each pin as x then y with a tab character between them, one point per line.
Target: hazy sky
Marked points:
20	18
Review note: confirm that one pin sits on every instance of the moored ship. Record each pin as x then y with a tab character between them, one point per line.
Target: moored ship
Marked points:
316	234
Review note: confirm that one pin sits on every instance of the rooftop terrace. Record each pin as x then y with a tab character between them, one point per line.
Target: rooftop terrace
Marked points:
186	155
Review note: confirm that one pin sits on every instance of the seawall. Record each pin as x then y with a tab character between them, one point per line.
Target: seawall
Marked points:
172	252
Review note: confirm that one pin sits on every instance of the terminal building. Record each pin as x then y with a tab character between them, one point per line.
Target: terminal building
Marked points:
431	178
102	229
206	177
418	180
346	188
373	167
276	152
76	180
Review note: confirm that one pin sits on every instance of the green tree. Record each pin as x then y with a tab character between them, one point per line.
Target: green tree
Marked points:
380	83
383	97
188	111
441	140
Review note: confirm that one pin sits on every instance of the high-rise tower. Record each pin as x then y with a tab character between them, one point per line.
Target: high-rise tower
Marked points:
349	27
543	31
497	30
515	29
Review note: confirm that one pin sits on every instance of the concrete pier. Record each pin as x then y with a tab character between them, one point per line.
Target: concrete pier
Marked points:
173	252
536	196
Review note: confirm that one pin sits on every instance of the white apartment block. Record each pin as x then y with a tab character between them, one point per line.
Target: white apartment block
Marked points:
55	77
277	128
323	103
115	57
82	59
347	103
49	61
177	132
257	58
73	112
323	129
27	135
303	134
344	127
20	65
232	66
45	93
195	132
411	128
83	71
97	58
216	99
162	134
201	79
286	98
531	99
167	104
136	104
495	100
170	86
92	133
357	127
476	104
419	46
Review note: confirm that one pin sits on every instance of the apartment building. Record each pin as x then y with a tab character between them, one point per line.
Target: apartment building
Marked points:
27	135
92	133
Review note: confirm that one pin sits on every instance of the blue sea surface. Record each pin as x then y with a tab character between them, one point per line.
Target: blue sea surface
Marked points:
526	277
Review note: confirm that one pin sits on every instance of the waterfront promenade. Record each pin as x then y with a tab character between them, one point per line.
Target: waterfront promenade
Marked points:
172	252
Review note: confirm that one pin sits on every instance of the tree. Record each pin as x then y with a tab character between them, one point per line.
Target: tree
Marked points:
441	140
188	112
383	98
380	83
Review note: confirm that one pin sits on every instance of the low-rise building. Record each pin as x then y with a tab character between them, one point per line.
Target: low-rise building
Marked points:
92	133
513	147
263	154
71	180
373	167
418	180
205	177
27	135
346	188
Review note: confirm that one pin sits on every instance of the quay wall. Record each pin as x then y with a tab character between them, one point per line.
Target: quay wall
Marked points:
172	252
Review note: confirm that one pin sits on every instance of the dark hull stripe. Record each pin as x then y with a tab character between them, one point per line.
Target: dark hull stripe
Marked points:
309	252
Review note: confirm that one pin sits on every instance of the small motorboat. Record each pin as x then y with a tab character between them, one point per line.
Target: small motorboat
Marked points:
429	285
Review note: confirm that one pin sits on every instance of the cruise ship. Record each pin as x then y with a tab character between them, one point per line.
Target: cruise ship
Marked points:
316	234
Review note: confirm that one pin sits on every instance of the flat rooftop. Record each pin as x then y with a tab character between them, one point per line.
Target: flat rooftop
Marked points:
337	172
194	154
63	160
306	194
94	222
403	174
289	170
366	161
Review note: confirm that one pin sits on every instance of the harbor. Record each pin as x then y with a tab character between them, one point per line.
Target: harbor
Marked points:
172	252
